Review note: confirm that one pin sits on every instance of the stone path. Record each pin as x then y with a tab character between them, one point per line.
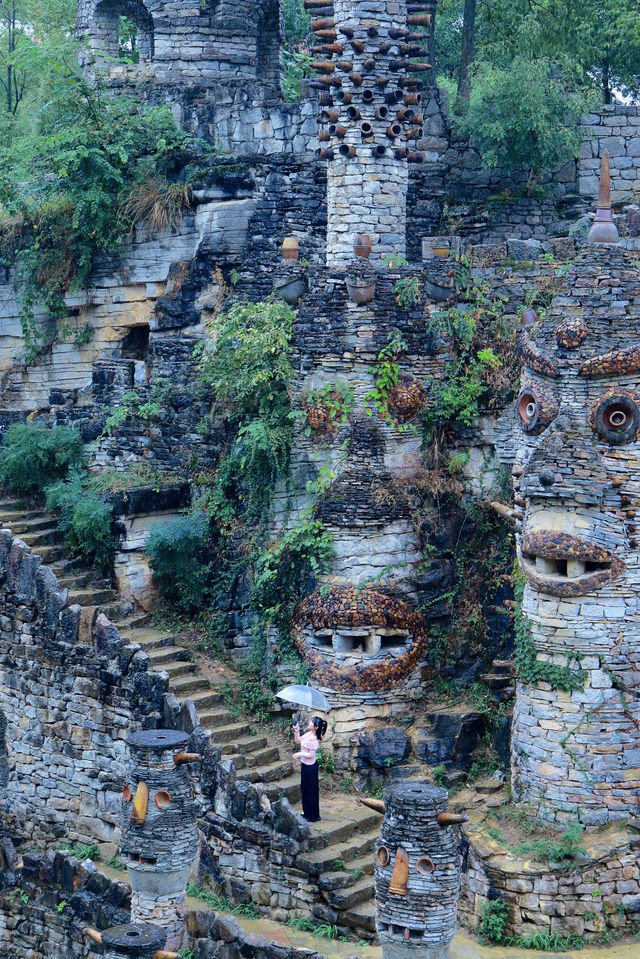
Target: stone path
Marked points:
347	832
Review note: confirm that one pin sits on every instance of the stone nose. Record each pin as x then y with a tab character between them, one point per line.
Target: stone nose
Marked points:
546	477
400	875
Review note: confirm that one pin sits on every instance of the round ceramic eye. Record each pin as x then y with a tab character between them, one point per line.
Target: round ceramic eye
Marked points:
535	409
383	856
162	799
127	795
616	418
424	866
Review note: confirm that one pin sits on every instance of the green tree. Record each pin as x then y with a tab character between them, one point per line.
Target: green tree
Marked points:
35	40
524	117
599	40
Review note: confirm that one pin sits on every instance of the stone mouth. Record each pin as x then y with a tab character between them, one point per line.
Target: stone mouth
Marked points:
566	565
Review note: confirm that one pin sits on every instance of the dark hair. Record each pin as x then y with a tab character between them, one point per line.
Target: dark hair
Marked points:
320	726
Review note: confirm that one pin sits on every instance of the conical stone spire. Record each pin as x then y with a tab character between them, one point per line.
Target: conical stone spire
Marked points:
604	229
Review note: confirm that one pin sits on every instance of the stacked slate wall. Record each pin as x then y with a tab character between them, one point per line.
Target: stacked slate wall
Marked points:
70	689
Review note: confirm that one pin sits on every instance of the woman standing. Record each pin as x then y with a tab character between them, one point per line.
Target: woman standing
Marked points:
308	756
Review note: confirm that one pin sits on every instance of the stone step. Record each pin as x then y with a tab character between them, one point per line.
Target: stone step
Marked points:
497	680
134	621
184	686
259	757
241	747
48	536
20	523
342	832
227	734
363	890
362	916
288	788
75	580
160	655
206	700
216	717
320	860
147	638
272	773
505	666
92	597
49	554
12	506
177	669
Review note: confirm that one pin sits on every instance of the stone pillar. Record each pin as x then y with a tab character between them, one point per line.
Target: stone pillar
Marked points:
371	120
159	836
133	941
576	723
417	873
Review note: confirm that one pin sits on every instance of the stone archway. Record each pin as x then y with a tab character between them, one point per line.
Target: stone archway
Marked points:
105	27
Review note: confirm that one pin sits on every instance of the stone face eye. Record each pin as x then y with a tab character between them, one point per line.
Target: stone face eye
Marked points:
535	409
616	417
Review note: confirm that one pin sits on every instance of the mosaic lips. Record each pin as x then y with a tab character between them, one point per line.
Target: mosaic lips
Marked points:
565	565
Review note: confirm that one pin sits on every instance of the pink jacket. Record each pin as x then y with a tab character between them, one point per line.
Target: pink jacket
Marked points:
309	746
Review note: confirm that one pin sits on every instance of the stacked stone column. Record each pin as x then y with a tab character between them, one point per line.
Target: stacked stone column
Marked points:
370	121
417	873
159	835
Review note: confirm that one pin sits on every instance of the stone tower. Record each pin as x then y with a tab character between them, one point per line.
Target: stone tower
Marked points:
159	834
576	727
371	119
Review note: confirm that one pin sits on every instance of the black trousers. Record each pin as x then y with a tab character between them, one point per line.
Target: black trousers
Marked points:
310	792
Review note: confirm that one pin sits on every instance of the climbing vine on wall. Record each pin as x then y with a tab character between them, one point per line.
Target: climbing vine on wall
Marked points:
529	669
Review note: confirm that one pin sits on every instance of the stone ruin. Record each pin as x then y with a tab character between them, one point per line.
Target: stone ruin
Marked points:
364	168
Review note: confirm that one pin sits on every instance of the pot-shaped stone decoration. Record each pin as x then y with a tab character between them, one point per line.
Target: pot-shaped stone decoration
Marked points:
290	248
291	290
359	292
362	246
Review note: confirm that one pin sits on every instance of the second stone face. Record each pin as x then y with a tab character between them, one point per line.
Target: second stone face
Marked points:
159	834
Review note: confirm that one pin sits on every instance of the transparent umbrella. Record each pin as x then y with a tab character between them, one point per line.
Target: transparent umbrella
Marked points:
305	696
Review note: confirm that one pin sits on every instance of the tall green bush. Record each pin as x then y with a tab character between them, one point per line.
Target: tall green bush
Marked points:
32	457
85	520
177	551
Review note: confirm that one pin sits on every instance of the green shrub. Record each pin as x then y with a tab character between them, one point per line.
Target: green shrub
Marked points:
178	562
31	457
493	921
547	942
565	847
85	520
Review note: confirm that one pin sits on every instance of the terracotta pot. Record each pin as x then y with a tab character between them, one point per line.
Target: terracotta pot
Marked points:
290	248
361	293
362	246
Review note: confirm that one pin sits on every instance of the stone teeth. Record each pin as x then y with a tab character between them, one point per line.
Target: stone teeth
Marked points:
576	568
545	566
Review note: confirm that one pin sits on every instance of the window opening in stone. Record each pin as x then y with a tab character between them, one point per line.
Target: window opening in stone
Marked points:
325	640
393	642
135	344
124	30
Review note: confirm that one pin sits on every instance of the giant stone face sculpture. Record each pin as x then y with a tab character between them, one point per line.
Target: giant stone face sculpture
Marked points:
576	753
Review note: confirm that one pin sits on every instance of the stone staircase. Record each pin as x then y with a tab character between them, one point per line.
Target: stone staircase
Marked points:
347	833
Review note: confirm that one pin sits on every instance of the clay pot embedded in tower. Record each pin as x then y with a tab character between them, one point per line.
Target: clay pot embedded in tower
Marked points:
290	248
362	246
